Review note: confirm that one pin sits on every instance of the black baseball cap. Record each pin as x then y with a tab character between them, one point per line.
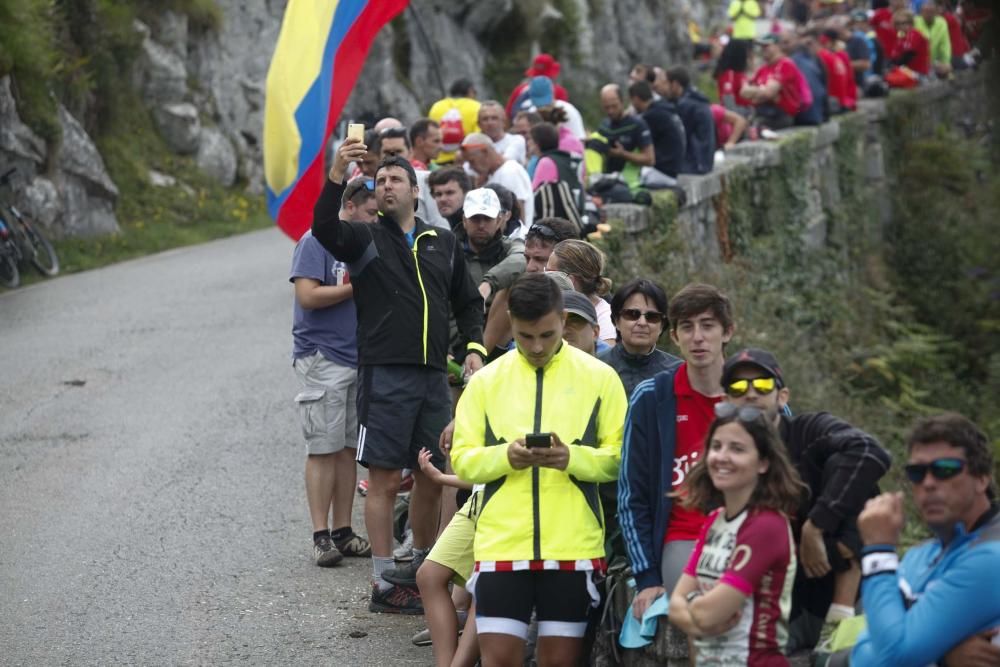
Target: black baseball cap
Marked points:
753	356
578	304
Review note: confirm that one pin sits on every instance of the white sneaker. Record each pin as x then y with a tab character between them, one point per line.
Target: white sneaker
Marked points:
404	553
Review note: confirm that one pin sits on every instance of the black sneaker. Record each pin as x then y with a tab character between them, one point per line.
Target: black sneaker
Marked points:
406	573
354	546
396	600
326	553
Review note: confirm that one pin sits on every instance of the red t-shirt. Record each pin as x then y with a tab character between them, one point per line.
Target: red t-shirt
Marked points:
839	78
959	44
885	29
695	413
915	41
730	82
723	130
787	75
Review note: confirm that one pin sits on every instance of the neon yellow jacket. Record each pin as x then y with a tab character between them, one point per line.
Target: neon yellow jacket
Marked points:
744	14
939	37
540	513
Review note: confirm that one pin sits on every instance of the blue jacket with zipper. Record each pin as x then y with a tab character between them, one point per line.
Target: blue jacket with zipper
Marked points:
646	475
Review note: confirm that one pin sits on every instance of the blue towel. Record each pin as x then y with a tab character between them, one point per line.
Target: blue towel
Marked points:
636	634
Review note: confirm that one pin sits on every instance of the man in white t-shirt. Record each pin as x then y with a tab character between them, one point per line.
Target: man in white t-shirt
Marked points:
493	123
492	167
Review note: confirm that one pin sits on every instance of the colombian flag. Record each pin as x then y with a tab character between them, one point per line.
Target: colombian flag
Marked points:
320	51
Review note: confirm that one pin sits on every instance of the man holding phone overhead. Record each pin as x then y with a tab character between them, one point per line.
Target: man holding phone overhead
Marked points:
408	278
541	453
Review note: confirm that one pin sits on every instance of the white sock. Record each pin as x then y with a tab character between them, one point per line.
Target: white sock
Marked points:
839	612
380	565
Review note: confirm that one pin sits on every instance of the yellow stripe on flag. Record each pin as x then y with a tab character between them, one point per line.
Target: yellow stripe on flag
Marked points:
295	66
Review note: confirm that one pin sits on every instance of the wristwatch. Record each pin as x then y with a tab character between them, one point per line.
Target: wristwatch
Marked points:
692	595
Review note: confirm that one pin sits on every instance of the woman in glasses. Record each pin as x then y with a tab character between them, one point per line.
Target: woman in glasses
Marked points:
735	594
638	311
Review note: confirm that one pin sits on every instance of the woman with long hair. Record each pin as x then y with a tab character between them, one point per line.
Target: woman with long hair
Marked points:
731	73
584	264
735	594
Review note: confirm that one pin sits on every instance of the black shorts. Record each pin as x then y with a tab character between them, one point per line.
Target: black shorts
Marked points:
561	600
401	409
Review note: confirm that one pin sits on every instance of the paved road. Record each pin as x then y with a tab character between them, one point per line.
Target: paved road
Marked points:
151	502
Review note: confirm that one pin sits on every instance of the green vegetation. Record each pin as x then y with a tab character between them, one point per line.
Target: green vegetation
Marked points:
79	53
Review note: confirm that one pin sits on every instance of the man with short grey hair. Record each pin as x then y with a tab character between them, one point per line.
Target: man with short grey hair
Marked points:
493	123
492	167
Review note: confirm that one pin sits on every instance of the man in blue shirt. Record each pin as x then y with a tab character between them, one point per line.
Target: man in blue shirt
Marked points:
325	354
941	603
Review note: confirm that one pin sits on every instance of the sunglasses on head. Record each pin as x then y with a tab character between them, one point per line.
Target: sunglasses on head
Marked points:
633	315
762	386
542	230
747	413
942	469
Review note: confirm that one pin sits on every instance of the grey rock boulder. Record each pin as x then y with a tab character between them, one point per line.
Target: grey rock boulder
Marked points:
79	157
40	200
217	157
87	192
84	214
171	30
16	138
179	125
161	75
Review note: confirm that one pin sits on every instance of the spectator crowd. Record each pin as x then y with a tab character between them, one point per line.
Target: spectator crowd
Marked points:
454	328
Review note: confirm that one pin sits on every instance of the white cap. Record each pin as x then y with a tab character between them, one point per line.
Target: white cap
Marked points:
481	201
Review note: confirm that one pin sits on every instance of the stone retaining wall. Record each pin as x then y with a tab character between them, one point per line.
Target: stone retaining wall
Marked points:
813	186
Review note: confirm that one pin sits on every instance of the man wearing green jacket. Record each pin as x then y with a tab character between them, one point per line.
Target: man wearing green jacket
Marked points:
744	14
935	28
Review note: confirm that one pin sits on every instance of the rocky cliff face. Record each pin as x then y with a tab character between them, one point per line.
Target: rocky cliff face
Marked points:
205	89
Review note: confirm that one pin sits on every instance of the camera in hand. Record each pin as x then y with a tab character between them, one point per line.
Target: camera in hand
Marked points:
533	440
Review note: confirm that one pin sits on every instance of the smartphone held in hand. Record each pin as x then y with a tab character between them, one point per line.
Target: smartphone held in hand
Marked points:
533	440
356	131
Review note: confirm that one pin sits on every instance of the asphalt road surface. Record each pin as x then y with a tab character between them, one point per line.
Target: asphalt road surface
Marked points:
151	498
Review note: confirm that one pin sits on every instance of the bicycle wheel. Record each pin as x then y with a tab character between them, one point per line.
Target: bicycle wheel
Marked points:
9	275
40	252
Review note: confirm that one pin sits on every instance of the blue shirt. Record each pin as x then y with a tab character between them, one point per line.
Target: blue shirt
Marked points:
938	596
333	330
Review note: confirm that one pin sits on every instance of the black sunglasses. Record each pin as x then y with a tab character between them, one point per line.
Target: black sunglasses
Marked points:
725	410
544	231
942	469
633	315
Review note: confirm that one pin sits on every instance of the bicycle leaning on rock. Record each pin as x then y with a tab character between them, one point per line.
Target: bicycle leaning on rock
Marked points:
21	240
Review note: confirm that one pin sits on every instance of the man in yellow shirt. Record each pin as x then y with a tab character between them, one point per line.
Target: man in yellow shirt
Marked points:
458	116
744	14
935	28
540	427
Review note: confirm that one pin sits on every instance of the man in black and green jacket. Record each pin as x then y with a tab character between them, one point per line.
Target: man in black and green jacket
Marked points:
407	277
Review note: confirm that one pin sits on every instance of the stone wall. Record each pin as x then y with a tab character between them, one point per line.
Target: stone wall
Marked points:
811	189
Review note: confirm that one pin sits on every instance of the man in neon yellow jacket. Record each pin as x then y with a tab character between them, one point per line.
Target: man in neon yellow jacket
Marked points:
744	14
540	427
935	28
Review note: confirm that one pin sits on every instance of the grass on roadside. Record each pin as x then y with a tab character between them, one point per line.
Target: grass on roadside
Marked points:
152	218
